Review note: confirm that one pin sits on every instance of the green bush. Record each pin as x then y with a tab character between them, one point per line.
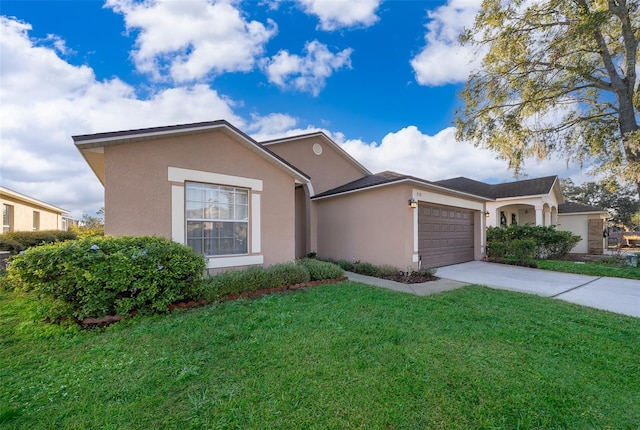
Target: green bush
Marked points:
365	268
387	270
98	276
30	239
87	231
522	249
319	270
10	245
496	250
255	278
550	243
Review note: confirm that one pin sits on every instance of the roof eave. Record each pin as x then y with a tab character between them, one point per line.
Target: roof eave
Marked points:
400	181
86	144
18	196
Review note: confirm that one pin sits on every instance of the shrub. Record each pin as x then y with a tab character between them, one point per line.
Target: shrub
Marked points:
106	275
319	270
496	250
30	239
387	270
522	249
550	243
365	268
255	278
10	245
84	231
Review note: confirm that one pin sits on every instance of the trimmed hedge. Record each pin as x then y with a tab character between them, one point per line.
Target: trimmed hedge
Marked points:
10	245
99	276
29	239
549	242
259	278
319	270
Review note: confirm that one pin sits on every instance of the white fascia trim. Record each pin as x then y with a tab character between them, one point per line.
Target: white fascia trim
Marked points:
177	174
146	134
245	260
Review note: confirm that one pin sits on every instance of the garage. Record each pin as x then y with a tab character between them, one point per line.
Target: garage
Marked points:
445	235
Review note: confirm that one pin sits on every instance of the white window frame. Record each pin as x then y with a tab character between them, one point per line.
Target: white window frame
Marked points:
178	177
216	216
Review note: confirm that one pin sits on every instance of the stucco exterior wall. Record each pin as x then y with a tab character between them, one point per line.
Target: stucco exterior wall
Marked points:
378	226
578	224
374	225
327	170
140	198
22	215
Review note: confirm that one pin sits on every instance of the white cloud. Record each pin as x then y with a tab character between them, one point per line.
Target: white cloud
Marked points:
45	100
308	73
443	60
336	14
190	40
437	157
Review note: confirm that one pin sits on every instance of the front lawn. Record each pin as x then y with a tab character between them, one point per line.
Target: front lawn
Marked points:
592	269
330	357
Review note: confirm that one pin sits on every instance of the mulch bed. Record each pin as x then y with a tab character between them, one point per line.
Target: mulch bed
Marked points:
110	319
413	278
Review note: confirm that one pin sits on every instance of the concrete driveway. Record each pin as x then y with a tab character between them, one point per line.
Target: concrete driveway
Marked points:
612	294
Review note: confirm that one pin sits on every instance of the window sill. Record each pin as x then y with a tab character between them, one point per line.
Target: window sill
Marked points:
244	260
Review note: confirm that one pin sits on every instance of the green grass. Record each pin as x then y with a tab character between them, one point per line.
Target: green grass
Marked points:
340	356
592	269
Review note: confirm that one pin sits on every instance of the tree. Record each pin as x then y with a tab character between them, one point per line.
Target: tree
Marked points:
90	222
621	202
558	76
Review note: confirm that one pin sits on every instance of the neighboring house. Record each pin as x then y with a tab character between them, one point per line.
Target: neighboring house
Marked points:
24	213
242	202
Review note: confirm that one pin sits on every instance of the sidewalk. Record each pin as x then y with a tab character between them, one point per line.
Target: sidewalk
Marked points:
421	289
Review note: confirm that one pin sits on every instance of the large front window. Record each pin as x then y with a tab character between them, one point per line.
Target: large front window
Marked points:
217	219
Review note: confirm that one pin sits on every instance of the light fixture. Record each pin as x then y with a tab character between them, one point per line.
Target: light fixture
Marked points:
526	211
413	203
486	214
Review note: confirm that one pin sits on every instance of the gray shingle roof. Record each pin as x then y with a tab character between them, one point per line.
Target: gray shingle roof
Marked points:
367	182
527	187
574	207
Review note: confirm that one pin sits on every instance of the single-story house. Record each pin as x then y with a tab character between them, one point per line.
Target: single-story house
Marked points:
241	202
539	201
23	213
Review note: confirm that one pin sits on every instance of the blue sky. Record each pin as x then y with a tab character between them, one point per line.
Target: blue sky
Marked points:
379	77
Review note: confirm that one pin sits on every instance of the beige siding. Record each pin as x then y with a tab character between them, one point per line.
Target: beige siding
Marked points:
138	195
22	219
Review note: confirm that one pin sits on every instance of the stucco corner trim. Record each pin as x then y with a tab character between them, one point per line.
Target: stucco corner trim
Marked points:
177	214
256	244
245	260
177	174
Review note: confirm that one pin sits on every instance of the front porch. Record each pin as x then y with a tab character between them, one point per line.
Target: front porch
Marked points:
545	214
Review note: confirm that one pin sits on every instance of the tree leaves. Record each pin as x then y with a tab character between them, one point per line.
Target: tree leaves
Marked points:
559	76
